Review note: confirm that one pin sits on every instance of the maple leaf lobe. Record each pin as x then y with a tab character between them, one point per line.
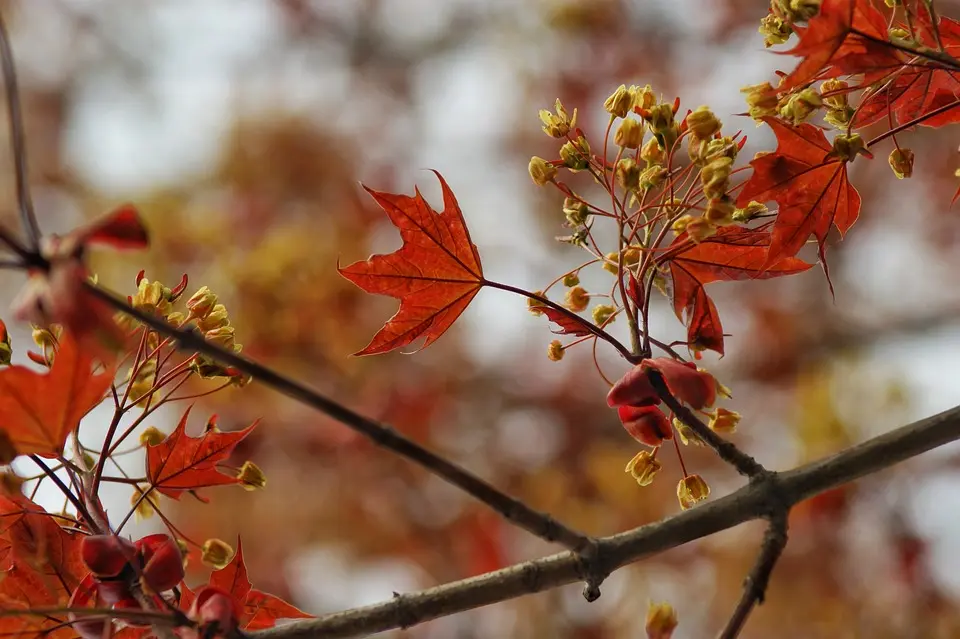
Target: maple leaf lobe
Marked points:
435	274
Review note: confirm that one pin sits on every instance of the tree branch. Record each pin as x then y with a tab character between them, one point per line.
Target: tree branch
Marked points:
727	451
755	585
750	502
515	511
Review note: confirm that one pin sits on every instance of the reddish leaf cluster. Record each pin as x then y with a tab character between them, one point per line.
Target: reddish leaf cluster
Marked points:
637	400
182	463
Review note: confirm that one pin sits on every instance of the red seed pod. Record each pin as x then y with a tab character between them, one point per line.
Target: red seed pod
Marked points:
107	555
162	562
215	608
647	424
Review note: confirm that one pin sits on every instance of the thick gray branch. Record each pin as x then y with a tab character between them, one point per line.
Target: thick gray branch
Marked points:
751	502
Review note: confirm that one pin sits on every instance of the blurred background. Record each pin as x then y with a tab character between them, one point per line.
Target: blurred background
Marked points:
242	129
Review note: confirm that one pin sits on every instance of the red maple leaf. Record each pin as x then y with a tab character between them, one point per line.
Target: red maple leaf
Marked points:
922	85
259	609
40	565
182	463
567	324
435	274
847	37
734	253
809	182
38	411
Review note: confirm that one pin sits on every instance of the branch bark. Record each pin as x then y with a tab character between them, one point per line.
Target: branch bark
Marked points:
753	501
515	511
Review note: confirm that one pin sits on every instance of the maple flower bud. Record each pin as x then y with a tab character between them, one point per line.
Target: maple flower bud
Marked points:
692	489
643	97
847	147
571	280
631	256
800	10
151	297
715	177
700	229
577	299
774	30
901	161
214	319
251	477
681	223
663	124
216	553
576	211
144	503
800	106
619	102
46	338
535	306
702	123
555	351
223	336
762	100
720	211
152	436
901	34
541	171
576	154
628	174
629	134
142	383
832	93
611	263
603	314
750	211
724	421
652	153
661	621
644	467
686	434
7	450
652	177
202	302
721	147
558	125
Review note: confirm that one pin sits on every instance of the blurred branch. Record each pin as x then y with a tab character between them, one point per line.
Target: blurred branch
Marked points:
515	511
28	217
755	585
750	502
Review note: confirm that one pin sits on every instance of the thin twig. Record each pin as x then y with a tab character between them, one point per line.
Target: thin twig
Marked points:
727	451
27	215
755	585
750	502
517	512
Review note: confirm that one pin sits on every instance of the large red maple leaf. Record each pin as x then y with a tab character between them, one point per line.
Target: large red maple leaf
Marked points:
435	274
182	463
40	565
846	37
38	411
258	609
921	86
809	182
734	253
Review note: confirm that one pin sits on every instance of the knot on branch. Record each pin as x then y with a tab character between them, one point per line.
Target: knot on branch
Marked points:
404	614
591	569
776	500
